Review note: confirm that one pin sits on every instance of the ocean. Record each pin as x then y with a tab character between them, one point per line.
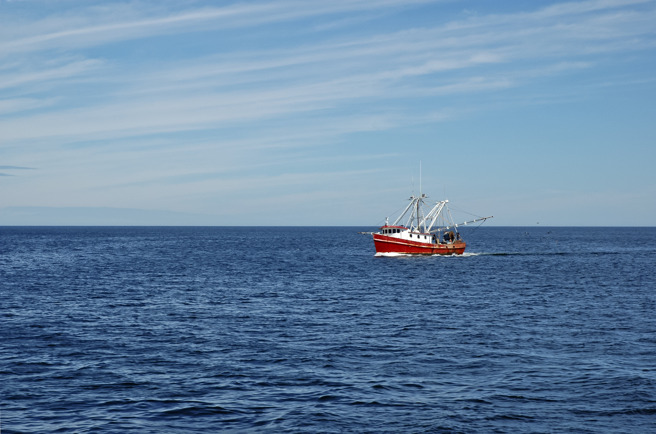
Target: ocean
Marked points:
305	330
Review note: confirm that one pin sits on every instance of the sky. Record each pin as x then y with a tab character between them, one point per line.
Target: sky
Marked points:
320	113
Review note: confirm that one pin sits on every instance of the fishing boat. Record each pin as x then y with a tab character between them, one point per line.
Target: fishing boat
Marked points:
427	230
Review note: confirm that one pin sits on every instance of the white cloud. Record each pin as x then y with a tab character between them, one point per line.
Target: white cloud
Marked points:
214	93
21	104
72	102
24	77
116	22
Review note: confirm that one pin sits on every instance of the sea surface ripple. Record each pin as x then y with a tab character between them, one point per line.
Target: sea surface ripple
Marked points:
235	329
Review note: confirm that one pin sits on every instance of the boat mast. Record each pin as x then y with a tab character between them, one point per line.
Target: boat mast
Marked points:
418	206
434	215
404	211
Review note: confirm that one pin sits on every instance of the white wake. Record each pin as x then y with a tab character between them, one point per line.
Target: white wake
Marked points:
394	255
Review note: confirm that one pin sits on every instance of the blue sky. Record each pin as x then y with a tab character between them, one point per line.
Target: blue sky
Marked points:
318	113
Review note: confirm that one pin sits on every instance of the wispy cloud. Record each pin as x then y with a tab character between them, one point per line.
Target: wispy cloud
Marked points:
29	76
22	104
216	92
129	21
13	168
71	98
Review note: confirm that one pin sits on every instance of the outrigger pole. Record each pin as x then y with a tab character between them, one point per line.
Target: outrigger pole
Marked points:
464	223
412	198
440	209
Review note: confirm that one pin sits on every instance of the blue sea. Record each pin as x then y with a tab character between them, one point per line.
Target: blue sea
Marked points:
305	330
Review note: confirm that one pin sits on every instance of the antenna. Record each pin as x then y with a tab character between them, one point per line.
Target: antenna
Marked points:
420	179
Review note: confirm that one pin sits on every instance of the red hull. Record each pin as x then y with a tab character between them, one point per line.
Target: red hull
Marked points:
385	244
